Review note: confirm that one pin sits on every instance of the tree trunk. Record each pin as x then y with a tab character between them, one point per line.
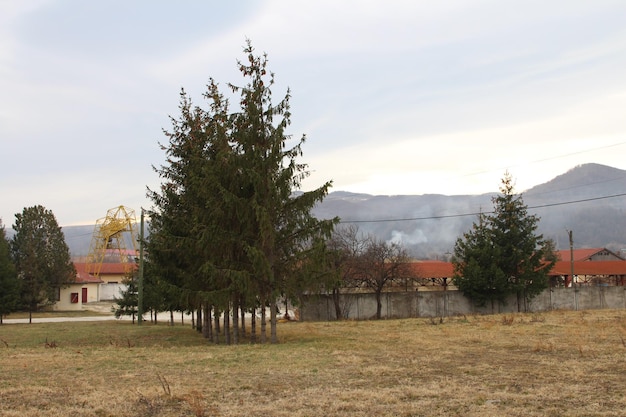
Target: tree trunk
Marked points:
216	326
236	320
273	321
253	327
243	320
208	323
263	323
336	301
199	321
227	326
171	317
204	321
379	305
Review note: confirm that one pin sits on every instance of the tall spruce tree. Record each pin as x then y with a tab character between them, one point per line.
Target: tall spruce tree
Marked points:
525	257
41	256
226	223
478	274
504	255
281	222
9	285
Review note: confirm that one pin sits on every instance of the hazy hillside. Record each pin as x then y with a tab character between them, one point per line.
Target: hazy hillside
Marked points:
78	238
587	200
590	200
576	200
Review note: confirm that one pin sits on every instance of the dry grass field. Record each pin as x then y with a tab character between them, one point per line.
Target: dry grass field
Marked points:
552	364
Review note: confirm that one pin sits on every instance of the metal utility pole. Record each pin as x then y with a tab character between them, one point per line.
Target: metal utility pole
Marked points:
140	274
571	254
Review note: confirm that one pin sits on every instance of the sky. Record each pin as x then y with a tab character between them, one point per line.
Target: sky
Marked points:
394	97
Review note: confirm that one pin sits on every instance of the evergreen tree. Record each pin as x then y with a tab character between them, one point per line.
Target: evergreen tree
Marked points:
525	257
478	275
41	256
9	285
280	222
227	225
503	255
127	302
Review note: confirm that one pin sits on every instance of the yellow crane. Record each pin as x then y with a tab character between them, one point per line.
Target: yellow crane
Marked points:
114	240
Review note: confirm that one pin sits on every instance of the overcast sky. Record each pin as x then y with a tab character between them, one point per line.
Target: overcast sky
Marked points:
395	97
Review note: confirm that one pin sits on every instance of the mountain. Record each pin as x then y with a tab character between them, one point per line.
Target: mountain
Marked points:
589	200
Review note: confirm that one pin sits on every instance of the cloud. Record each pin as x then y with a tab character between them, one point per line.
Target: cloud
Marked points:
402	97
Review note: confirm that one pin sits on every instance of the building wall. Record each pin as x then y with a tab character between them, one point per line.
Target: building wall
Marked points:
112	278
453	303
65	300
111	291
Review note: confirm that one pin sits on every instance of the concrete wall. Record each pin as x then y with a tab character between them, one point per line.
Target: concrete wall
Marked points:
111	291
452	303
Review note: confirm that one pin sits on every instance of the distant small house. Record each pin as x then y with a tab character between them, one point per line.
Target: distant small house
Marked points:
590	254
593	266
112	275
85	289
588	273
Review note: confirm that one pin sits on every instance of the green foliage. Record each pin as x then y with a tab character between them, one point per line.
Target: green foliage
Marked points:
128	301
478	274
41	256
503	255
226	224
9	284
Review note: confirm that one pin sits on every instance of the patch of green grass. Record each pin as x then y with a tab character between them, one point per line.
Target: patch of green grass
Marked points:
48	314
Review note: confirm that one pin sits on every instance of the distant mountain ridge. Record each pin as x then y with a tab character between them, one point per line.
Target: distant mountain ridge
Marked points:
586	199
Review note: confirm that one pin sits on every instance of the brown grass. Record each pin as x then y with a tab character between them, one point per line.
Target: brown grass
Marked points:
553	364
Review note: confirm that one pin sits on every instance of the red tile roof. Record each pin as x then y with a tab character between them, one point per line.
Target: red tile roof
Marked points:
431	269
590	268
109	268
83	277
440	269
581	254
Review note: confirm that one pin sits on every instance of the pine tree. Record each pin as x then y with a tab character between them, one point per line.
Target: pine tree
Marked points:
281	222
479	276
41	256
525	257
127	302
9	285
503	255
227	225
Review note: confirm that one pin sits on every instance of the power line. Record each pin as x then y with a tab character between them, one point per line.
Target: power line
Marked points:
477	213
536	161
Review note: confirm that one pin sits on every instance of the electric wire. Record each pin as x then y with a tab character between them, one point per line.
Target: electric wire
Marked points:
446	216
